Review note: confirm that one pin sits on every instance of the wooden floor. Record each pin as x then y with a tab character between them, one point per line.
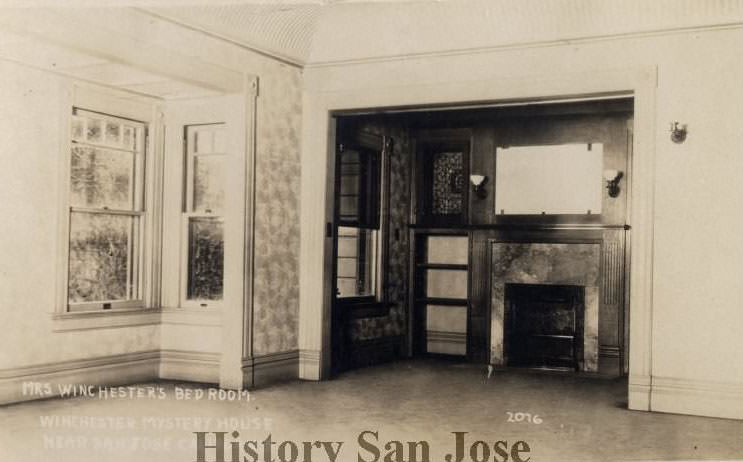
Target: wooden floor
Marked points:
582	418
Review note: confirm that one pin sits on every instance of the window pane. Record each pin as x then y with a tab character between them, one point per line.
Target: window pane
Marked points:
358	191
78	128
113	133
208	183
129	138
446	284
205	259
357	262
448	183
448	250
350	186
94	132
204	141
101	262
101	178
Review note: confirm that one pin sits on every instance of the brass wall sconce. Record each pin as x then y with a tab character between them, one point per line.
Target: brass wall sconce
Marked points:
478	185
678	133
612	178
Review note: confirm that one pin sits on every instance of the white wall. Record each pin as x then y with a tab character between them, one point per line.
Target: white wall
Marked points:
30	118
30	137
698	253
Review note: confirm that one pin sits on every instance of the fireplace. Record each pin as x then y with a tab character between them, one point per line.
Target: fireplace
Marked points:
570	271
543	326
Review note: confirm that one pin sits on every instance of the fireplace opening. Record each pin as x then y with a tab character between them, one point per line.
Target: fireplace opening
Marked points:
544	326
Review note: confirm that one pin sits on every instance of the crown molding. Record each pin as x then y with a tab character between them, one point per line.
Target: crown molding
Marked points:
522	46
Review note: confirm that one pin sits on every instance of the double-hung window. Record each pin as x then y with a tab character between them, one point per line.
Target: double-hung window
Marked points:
203	215
360	260
359	220
106	212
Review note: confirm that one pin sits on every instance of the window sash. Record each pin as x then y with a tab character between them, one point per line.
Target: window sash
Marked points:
363	243
135	275
187	302
193	153
135	238
192	157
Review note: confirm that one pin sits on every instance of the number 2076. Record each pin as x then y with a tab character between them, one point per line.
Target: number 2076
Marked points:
523	417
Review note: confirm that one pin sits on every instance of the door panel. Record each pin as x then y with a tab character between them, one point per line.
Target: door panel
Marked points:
441	294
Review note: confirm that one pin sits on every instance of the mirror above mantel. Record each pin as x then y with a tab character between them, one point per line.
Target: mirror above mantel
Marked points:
561	179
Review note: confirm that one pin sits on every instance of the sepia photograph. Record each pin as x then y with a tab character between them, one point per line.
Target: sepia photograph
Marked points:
371	230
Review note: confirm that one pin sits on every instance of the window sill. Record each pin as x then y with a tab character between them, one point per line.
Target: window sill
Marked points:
100	319
361	307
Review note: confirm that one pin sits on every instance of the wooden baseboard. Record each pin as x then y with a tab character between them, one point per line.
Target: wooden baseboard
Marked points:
114	370
191	366
447	343
609	351
697	397
272	368
639	392
45	380
309	364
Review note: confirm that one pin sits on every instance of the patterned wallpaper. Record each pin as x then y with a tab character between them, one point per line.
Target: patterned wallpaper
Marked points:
276	289
395	322
277	226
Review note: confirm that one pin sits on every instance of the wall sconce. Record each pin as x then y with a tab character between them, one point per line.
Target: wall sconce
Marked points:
478	185
678	133
612	178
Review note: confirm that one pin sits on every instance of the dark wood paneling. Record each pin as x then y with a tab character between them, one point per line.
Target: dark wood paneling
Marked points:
478	319
482	162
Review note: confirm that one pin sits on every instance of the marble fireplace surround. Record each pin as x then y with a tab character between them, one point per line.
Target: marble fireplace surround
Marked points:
546	263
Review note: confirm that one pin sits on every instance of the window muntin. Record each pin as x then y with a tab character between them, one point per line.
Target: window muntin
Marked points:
203	219
359	187
358	260
359	267
106	212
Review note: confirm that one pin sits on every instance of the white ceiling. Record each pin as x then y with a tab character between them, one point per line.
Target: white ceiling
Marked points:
331	31
282	30
321	32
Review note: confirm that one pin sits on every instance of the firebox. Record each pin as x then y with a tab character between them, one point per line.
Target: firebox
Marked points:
544	326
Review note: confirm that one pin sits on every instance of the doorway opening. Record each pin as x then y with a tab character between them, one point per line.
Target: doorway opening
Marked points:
445	220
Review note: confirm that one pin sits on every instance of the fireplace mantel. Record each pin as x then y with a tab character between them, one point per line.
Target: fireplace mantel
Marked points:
546	263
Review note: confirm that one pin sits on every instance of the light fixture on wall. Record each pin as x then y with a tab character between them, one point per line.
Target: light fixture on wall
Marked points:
678	133
478	185
612	178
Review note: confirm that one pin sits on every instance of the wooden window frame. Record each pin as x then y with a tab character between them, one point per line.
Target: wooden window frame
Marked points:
429	142
380	147
137	184
189	213
144	309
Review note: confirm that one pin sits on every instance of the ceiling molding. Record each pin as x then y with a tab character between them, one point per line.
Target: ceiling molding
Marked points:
521	46
322	33
353	32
